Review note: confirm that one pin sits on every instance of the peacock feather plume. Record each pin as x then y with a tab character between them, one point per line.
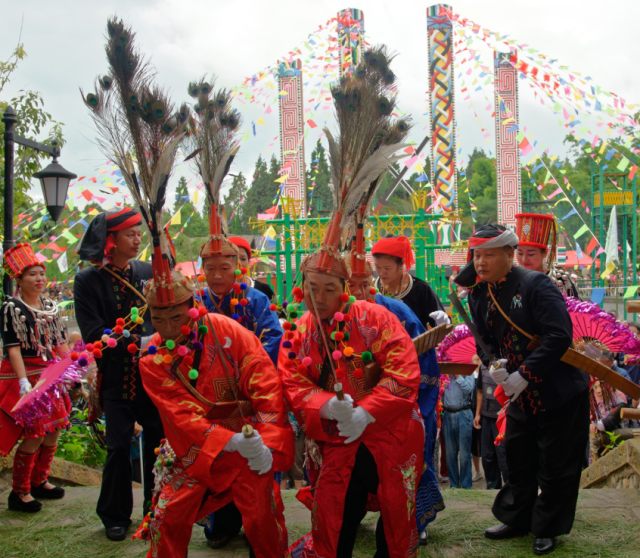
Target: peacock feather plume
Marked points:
139	128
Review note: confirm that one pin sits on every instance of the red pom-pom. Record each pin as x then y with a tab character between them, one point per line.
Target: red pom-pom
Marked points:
244	301
118	330
372	291
273	307
202	311
120	322
243	270
188	360
236	288
358	373
341	373
97	345
201	293
347	318
286	326
97	353
74	356
90	347
289	334
297	343
344	297
185	330
302	368
339	336
132	348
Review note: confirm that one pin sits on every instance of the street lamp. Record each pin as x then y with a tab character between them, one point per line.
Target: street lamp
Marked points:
54	179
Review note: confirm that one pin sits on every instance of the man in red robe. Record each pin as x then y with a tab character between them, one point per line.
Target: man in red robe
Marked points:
200	370
373	439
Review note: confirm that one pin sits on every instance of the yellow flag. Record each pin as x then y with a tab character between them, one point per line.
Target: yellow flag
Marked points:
195	197
260	121
176	218
143	256
282	179
610	267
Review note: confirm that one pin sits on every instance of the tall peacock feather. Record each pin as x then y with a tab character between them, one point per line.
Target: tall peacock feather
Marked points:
366	146
139	130
214	143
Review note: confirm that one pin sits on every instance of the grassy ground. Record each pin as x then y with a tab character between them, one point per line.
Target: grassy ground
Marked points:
607	526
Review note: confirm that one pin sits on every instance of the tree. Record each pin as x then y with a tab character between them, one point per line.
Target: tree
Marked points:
195	226
318	177
234	205
263	190
32	121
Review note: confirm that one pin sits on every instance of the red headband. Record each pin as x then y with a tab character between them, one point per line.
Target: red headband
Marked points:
123	220
399	246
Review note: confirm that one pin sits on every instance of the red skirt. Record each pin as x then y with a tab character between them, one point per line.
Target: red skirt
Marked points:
10	395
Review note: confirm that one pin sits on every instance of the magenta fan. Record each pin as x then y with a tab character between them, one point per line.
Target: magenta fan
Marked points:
459	346
593	325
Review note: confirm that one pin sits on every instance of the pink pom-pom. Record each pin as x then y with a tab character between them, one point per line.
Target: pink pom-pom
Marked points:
111	342
182	350
193	313
337	355
338	316
307	361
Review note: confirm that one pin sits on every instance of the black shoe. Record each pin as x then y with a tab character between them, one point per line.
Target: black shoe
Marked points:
116	533
18	504
544	546
423	538
43	493
503	532
219	542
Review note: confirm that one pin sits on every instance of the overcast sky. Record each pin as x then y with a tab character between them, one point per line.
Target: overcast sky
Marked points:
235	39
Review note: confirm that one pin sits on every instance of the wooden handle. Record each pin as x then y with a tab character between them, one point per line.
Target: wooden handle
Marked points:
247	431
632	414
339	393
633	306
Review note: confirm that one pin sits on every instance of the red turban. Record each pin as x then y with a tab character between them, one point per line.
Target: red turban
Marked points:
398	246
241	243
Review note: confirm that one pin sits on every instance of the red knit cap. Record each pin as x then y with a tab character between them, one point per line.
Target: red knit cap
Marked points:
19	258
398	246
241	243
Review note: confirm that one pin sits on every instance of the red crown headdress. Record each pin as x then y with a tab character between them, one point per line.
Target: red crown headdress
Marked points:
539	231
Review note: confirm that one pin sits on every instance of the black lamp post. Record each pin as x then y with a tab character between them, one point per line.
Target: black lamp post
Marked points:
54	179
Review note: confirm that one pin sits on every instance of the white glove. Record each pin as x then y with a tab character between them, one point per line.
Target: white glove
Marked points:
334	409
440	317
592	351
499	374
25	386
600	426
353	428
248	448
262	462
514	385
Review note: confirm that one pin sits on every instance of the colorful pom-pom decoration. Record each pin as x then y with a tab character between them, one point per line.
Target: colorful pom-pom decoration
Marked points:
244	286
352	299
287	344
185	330
202	311
234	302
197	346
132	348
120	322
193	313
344	298
118	330
152	349
167	359
126	333
82	361
372	291
193	374
74	356
201	278
97	353
339	336
182	350
286	326
338	316
107	332
89	347
158	359
244	302
307	361
347	351
98	344
188	360
235	317
203	330
238	272
103	339
171	344
244	270
273	307
139	320
111	342
337	355
292	355
367	356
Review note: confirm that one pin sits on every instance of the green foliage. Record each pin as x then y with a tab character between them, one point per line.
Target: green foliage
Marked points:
33	121
234	205
614	442
78	444
263	190
321	198
194	224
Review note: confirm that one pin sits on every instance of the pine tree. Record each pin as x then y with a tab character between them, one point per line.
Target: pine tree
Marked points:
234	205
260	196
191	219
320	198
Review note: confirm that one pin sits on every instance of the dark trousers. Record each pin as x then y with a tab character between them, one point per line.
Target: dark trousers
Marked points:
116	498
494	461
227	522
364	480
544	451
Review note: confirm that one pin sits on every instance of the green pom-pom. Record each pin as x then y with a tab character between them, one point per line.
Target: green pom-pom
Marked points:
333	335
193	374
203	329
346	336
170	344
294	327
294	315
367	356
352	299
238	272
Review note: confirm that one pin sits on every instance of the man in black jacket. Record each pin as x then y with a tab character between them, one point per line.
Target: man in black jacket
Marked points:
548	417
103	294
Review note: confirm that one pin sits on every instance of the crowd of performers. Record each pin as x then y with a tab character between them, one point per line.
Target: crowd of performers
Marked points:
203	363
216	417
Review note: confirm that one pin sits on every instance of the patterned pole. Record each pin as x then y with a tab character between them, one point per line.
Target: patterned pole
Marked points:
292	133
441	106
507	151
350	38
